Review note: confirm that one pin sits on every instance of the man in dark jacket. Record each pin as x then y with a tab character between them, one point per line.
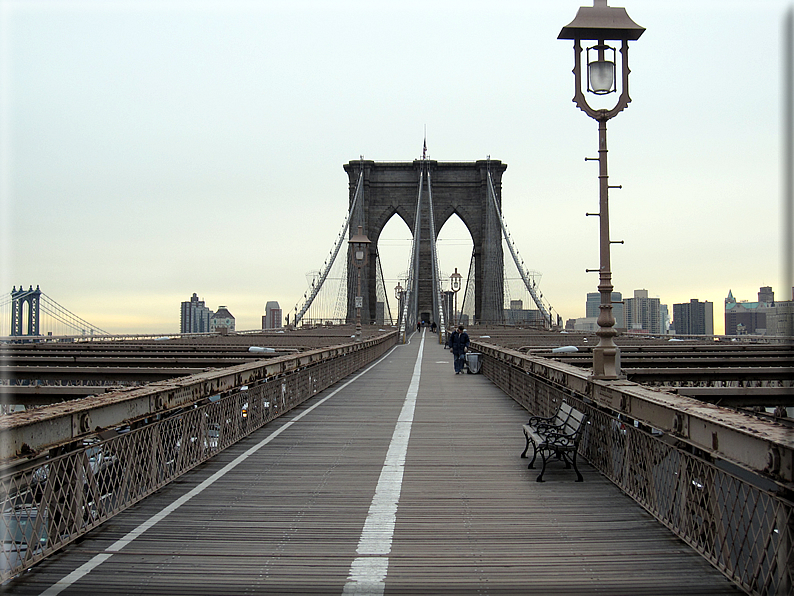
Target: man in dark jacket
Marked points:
460	343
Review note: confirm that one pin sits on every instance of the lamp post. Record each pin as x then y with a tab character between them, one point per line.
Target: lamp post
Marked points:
454	284
602	23
358	252
398	294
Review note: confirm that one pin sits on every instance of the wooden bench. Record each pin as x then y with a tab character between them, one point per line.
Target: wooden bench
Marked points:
558	435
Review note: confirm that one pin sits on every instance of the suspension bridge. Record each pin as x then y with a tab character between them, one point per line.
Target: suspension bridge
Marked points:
319	464
32	313
425	194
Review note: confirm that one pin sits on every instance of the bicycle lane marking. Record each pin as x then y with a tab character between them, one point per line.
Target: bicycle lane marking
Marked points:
368	571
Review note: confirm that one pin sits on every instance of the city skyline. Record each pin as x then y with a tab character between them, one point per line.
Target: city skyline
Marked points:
151	151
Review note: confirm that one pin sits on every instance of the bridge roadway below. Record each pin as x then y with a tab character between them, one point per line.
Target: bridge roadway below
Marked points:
292	509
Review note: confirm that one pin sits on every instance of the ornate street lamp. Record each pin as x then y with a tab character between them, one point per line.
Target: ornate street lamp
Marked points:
398	294
358	253
601	23
454	283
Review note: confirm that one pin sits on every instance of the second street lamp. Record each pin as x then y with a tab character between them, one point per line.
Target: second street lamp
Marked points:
454	283
602	23
358	252
398	294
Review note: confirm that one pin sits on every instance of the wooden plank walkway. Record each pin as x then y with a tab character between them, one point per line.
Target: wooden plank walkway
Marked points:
471	519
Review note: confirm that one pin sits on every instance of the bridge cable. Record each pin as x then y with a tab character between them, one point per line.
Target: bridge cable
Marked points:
318	283
531	287
437	297
411	303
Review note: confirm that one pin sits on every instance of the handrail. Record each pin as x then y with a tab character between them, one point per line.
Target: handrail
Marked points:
762	447
62	477
719	479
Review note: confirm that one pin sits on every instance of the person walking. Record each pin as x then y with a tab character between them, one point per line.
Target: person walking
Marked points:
460	343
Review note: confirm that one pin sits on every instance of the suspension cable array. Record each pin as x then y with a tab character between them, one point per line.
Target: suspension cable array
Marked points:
437	296
317	283
408	318
411	300
525	277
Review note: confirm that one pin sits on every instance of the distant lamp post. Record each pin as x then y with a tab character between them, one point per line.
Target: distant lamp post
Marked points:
602	23
358	252
454	284
398	294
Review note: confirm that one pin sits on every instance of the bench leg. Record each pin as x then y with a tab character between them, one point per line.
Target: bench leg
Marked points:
543	470
534	456
578	474
524	454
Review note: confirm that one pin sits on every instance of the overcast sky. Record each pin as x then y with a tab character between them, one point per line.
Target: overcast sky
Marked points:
155	149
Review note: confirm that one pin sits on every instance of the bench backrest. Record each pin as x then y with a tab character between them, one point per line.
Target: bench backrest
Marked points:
574	424
562	415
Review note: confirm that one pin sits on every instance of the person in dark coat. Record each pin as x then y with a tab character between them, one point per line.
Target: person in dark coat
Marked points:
460	343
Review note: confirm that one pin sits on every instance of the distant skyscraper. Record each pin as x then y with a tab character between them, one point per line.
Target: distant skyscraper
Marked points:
643	313
195	317
694	318
765	294
222	319
665	317
593	302
272	318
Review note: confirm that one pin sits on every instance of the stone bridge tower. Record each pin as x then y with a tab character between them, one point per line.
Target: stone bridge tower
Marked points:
25	309
392	188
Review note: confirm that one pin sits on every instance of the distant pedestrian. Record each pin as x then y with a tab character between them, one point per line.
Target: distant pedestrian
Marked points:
433	327
460	344
419	325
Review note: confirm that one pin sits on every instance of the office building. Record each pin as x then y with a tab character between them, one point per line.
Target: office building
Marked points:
765	294
195	316
518	315
587	324
273	316
664	314
222	321
694	318
643	314
763	317
594	301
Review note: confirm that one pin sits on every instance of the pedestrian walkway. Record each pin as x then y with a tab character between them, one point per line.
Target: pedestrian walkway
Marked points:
404	479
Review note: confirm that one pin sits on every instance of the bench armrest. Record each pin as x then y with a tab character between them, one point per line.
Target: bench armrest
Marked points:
559	440
536	420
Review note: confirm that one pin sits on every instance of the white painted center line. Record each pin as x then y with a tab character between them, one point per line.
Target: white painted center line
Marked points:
369	569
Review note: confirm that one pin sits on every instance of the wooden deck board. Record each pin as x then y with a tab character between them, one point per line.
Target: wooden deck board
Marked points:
471	518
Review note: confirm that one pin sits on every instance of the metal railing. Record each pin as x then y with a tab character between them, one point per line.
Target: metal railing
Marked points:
74	479
733	510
